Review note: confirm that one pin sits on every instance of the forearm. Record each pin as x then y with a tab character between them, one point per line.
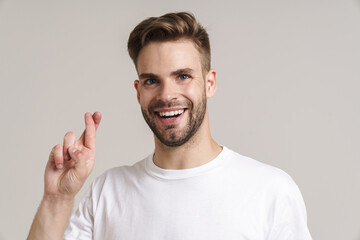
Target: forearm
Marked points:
51	219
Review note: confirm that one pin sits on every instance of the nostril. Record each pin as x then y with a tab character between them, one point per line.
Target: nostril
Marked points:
167	97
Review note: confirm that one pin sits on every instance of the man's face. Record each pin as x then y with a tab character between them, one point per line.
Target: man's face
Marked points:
171	90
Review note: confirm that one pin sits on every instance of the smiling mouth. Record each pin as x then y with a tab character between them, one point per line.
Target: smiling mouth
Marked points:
171	114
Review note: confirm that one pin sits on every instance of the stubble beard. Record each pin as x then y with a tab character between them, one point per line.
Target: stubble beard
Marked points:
171	136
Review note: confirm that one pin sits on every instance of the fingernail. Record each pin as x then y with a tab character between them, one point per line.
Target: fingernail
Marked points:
73	150
59	166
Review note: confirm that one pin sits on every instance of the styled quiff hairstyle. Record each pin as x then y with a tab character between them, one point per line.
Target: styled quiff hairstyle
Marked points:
170	27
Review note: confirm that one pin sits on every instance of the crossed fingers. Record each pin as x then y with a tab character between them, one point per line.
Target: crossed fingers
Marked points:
70	145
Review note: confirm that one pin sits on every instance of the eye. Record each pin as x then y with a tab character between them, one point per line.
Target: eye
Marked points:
150	81
184	77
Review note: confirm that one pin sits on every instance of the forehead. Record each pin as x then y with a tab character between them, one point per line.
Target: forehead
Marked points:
169	56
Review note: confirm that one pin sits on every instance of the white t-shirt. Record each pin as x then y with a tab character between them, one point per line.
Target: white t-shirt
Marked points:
231	197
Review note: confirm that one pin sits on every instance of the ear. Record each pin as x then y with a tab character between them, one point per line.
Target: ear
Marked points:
136	85
210	83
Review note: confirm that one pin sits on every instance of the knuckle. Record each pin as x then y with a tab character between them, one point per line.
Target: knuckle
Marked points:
80	155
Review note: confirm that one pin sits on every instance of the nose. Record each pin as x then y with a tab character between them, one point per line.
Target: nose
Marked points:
168	91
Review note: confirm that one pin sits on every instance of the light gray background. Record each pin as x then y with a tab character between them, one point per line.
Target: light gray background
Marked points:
288	94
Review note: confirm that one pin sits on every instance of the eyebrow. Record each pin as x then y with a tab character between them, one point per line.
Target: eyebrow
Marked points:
182	71
174	73
148	75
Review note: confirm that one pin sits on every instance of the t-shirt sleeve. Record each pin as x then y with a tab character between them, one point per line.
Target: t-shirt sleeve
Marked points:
81	223
289	213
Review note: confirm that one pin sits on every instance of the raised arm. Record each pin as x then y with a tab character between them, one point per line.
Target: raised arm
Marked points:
66	171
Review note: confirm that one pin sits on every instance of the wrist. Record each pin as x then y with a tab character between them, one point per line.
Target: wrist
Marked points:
58	200
51	218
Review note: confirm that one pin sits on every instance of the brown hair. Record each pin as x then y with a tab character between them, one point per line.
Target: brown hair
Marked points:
169	27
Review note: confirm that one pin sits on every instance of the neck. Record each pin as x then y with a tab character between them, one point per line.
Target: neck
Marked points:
200	149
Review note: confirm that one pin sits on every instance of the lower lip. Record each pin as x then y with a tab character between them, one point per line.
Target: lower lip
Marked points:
169	121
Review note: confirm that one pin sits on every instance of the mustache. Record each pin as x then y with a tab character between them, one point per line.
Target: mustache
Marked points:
170	104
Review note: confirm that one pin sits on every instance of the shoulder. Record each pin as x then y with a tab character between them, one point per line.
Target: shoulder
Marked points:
277	190
262	175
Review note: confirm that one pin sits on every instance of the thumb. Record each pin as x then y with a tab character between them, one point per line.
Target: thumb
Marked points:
75	154
81	158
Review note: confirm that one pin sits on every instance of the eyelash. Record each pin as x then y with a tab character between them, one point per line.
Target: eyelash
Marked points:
184	75
152	81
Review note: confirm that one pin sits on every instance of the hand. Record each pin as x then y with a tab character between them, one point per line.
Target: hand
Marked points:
71	163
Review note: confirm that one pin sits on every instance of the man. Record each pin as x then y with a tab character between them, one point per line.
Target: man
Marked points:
190	187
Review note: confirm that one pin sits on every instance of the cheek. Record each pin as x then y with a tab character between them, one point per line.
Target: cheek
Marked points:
144	99
143	103
194	92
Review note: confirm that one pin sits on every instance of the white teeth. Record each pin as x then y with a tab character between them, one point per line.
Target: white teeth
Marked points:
171	113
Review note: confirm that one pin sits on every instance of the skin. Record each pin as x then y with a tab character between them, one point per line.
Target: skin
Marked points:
171	78
66	171
179	84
